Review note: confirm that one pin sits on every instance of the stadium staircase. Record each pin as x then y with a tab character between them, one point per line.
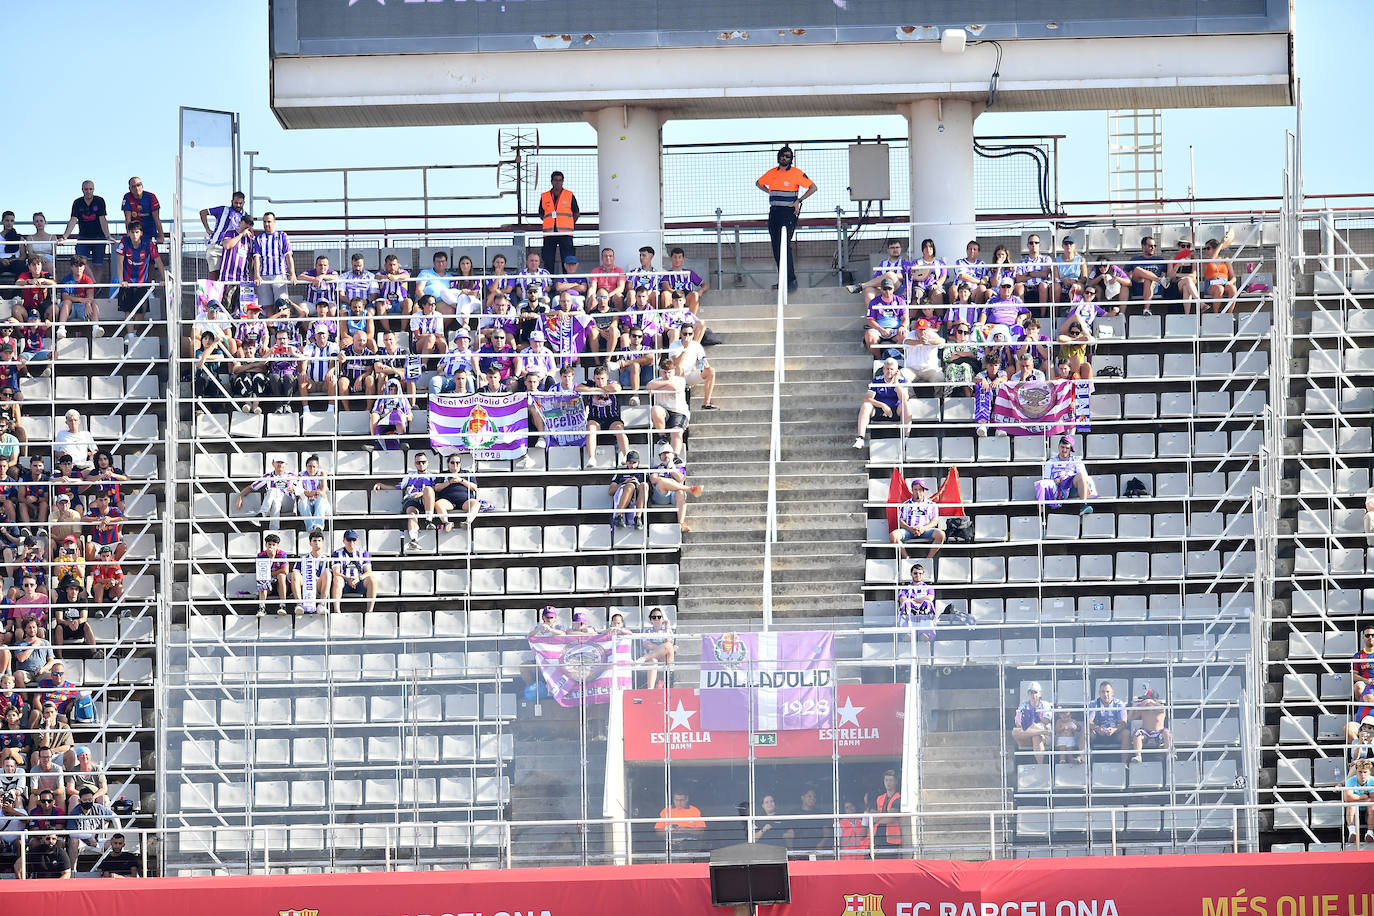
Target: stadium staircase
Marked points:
818	560
960	765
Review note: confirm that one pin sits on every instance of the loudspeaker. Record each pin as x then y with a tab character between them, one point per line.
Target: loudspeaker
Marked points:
749	873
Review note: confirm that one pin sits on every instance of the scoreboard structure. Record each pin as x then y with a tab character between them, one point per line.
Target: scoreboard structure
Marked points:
626	66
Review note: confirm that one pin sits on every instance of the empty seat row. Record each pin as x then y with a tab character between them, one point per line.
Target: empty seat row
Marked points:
1342	440
1047	650
1344	399
1338	561
303	794
375	707
1312	602
1200	443
446	839
1125	566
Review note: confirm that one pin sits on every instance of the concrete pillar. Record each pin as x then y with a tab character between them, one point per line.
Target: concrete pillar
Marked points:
629	147
940	160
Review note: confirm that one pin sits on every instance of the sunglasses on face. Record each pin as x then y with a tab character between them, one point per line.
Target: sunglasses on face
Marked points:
655	616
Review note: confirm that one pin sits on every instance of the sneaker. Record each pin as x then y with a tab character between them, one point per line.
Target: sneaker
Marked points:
982	432
1369	836
591	461
256	520
709	407
1137	759
696	490
634	400
1002	433
257	409
1351	831
281	610
305	410
262	611
302	609
852	288
61	333
98	331
859	442
1086	510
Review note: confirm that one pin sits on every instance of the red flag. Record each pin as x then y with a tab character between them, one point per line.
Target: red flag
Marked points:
949	497
897	493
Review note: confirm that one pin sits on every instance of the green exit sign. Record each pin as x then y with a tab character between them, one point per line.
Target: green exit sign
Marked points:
764	739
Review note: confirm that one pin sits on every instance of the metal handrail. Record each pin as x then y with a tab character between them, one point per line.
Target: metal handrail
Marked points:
770	534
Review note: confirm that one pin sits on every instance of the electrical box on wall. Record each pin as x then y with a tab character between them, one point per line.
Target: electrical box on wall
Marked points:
870	173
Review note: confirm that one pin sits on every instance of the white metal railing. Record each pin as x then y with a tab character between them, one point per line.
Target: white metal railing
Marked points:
770	534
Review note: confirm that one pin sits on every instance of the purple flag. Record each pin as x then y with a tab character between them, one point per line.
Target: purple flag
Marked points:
490	426
583	670
1037	408
566	335
565	417
767	681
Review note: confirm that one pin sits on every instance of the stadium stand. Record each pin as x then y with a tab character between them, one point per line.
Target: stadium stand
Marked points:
390	723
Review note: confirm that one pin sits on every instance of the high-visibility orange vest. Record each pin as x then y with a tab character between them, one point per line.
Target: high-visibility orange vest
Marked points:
889	829
555	220
853	837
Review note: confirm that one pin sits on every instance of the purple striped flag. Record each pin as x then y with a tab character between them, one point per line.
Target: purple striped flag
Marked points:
1037	408
583	670
490	426
767	681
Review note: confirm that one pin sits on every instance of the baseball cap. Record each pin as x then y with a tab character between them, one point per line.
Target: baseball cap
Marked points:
71	538
82	750
887	284
1367	720
282	302
275	457
580	616
920	483
65	497
69	582
922	324
536	335
462	332
632	455
252	305
570	260
212	304
665	449
548	612
350	535
1065	440
1034	687
1006	281
106	548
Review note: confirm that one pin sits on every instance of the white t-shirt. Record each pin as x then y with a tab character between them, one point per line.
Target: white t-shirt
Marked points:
675	400
80	445
921	357
696	356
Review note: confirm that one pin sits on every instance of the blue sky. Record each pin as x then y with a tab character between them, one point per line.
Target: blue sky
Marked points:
214	55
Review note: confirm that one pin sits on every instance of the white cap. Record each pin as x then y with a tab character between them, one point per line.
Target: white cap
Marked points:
1034	687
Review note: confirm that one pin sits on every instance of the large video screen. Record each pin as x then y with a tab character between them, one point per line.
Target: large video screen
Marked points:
305	27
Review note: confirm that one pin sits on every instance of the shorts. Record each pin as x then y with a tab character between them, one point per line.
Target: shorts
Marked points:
354	591
78	310
928	537
674	420
658	498
411	502
1216	283
389	306
95	255
1076	351
457	495
604	322
880	417
214	254
694	379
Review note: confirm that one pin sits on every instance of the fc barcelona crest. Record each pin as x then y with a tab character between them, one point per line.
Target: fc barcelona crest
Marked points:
305	912
863	905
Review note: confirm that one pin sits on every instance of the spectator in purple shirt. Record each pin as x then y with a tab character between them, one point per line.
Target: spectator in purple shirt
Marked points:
227	222
273	264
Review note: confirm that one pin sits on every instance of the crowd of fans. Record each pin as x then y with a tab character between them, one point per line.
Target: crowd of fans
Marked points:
63	541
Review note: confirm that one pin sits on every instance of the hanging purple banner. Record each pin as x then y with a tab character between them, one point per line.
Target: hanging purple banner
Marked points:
490	426
583	670
767	681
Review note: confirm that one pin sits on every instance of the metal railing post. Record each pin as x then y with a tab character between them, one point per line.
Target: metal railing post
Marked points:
720	249
839	245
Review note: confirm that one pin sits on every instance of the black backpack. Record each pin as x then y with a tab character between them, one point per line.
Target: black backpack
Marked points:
959	530
1135	487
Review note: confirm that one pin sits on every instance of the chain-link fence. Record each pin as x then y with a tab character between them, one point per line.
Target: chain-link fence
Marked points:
1011	175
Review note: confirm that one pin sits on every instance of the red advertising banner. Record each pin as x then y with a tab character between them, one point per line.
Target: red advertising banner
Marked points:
868	723
1270	884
